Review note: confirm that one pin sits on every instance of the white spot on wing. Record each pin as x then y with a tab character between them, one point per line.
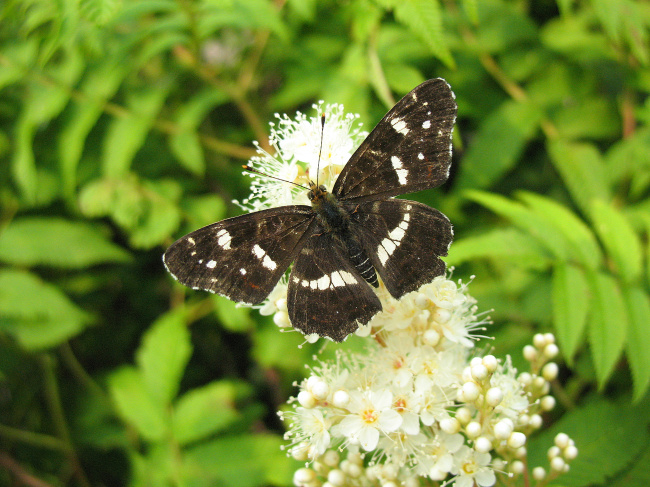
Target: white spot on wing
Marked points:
211	264
388	245
400	126
337	280
191	241
421	156
223	239
397	163
258	251
269	263
401	176
347	277
323	283
426	124
242	271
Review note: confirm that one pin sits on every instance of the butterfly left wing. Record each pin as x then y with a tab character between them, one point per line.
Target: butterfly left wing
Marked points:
409	149
326	294
244	257
403	240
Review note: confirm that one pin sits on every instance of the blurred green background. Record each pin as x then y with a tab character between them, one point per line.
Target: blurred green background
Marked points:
124	124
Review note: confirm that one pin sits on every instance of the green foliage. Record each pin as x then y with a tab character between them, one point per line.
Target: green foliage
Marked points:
123	125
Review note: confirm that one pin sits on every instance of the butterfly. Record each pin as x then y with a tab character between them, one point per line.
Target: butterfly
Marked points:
348	236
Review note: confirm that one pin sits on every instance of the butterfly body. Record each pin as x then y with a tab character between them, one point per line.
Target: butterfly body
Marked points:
348	236
334	217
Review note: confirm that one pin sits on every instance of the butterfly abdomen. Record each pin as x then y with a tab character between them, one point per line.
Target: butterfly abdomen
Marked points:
335	219
360	260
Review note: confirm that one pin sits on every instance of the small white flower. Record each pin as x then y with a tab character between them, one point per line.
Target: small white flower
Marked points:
472	467
371	413
312	429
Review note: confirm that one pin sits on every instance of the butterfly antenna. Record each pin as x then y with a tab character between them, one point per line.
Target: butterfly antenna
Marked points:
255	171
320	150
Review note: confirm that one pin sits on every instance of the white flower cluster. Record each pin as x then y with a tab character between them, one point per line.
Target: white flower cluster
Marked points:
297	144
419	404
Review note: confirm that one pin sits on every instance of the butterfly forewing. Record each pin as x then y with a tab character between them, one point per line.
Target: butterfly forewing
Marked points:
409	149
404	240
243	257
326	294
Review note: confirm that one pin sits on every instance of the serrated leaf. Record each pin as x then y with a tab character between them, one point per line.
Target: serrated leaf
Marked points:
159	220
57	242
571	303
135	405
503	244
127	133
583	245
100	12
252	460
605	452
204	411
545	233
233	317
583	171
608	324
638	342
259	14
99	85
16	56
402	77
498	144
163	355
590	118
424	19
185	143
37	313
621	242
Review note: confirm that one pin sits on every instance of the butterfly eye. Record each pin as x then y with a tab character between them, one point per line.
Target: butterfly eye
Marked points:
323	188
310	195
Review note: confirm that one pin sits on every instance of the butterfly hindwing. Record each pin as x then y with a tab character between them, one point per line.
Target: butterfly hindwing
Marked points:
409	149
326	294
243	257
404	240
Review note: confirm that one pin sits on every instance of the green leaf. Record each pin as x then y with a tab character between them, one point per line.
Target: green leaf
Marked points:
135	405
185	143
424	19
36	313
159	218
234	317
498	144
638	342
164	353
582	243
252	460
594	118
502	244
583	171
100	12
255	14
571	303
621	242
127	133
204	411
539	228
98	85
608	324
607	436
57	242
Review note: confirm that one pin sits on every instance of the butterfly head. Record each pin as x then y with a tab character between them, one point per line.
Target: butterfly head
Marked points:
316	193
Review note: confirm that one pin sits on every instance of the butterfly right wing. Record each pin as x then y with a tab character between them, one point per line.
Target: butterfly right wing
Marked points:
409	149
243	257
326	294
